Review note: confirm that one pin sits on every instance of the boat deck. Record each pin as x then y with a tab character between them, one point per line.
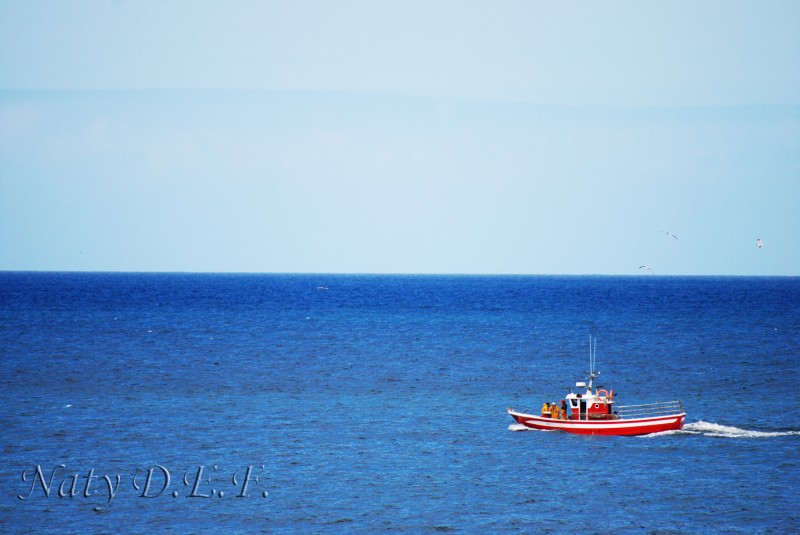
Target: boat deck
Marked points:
627	412
649	410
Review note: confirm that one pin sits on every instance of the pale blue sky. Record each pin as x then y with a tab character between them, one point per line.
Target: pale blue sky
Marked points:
401	137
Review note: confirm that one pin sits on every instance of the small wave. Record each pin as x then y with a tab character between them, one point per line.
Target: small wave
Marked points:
727	431
520	427
666	434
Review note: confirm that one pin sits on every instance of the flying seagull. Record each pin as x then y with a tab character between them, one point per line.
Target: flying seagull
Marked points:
670	234
759	243
647	268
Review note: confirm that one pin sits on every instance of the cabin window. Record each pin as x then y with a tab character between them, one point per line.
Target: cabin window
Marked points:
574	402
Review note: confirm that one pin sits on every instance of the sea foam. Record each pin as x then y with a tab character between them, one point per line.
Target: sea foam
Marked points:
727	431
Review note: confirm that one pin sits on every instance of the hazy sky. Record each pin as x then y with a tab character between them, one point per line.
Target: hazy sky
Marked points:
401	137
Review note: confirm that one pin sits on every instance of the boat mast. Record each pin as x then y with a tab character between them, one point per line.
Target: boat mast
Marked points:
592	362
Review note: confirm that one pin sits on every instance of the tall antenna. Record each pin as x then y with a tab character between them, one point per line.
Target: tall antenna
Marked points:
592	361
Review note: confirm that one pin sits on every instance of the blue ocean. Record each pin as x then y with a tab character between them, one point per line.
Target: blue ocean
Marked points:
238	403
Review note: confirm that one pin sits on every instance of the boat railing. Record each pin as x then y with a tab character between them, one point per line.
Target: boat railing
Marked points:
649	410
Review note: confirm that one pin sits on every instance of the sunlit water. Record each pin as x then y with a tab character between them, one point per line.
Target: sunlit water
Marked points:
377	403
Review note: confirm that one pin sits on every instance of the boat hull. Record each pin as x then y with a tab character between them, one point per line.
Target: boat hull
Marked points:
620	427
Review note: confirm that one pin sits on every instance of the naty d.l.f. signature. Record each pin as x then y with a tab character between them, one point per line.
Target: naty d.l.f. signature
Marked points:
151	482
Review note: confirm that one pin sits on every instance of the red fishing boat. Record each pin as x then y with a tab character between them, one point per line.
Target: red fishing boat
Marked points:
594	412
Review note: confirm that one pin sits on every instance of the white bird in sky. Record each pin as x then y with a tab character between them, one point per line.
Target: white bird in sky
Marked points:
670	234
759	243
648	268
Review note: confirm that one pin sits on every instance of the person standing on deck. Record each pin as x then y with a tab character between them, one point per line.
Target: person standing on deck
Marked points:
546	410
564	409
554	411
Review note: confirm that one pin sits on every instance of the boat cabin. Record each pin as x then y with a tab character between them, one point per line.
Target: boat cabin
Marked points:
590	405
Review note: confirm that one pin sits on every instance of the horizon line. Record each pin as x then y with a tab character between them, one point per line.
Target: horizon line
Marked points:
379	274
